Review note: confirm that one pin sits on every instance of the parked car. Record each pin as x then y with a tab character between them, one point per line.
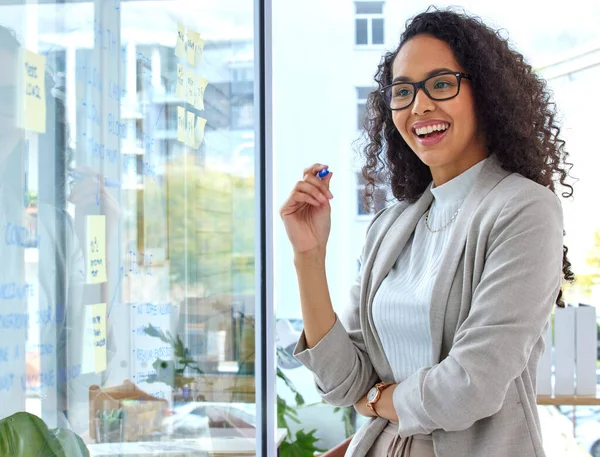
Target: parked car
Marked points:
587	426
197	419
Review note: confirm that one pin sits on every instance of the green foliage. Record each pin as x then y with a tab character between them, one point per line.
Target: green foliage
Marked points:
348	418
303	445
111	416
210	226
285	413
168	371
299	398
582	288
26	435
31	197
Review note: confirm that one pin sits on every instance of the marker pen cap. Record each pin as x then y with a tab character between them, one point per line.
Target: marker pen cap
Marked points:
324	172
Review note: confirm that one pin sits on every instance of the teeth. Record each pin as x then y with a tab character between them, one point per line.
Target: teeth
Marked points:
432	128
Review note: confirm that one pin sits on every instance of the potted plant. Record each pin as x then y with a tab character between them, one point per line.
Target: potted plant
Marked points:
300	444
26	435
109	425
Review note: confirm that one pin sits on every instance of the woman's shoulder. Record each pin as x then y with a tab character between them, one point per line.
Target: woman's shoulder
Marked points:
520	203
516	187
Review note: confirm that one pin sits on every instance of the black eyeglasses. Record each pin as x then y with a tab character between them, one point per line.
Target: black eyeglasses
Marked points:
442	86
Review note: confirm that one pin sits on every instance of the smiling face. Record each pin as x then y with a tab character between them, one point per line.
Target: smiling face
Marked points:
454	143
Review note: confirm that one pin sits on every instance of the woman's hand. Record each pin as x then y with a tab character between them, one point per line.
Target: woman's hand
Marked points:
306	213
362	408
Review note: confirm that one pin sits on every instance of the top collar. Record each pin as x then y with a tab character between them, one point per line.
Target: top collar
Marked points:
457	188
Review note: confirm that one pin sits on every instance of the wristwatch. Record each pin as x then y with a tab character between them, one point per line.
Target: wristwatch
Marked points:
374	395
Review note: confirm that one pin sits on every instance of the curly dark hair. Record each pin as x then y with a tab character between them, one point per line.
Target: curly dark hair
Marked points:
513	106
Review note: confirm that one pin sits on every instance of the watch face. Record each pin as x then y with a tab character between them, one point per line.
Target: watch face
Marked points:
372	393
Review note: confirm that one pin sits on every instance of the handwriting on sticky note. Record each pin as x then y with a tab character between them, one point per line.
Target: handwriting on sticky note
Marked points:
200	88
96	249
199	136
191	46
191	83
180	124
99	326
200	48
35	91
190	131
180	44
180	87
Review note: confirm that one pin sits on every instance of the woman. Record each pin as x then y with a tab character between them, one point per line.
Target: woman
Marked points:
443	334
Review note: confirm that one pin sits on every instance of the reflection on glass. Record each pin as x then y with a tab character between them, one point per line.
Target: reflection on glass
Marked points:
127	296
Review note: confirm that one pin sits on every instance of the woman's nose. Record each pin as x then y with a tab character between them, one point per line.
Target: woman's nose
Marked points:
422	103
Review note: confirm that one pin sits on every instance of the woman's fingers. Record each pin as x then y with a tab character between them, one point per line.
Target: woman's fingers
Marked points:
321	184
314	169
310	175
305	198
311	189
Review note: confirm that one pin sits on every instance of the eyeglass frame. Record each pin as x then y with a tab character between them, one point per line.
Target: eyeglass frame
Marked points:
421	85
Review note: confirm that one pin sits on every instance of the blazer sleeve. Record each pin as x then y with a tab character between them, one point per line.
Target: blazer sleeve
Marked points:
510	307
341	366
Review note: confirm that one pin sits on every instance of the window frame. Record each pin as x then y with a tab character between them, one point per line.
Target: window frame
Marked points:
361	101
369	17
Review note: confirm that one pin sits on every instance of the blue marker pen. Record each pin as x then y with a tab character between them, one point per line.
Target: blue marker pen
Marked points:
324	172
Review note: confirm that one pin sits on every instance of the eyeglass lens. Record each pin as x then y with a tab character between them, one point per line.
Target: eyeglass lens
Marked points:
440	87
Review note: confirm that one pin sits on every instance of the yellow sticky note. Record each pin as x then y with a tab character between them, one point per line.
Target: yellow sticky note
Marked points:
96	249
35	91
99	326
200	47
199	136
191	83
189	137
200	88
180	87
191	44
180	45
180	124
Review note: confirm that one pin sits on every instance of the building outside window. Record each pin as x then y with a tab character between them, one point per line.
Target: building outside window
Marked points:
369	23
380	197
362	94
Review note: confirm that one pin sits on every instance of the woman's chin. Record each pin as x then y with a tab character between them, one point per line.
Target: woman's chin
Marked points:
432	157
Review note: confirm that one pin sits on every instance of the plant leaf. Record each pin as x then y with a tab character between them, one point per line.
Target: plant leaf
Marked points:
155	333
302	446
291	386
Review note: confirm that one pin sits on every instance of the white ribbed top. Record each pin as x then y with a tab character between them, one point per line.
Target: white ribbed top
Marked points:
402	302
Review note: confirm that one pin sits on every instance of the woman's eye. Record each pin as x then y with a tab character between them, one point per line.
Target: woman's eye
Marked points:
402	93
441	85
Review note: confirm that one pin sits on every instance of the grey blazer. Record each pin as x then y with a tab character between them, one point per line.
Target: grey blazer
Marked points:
490	305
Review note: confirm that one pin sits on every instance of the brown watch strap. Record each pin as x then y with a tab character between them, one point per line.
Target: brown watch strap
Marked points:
380	386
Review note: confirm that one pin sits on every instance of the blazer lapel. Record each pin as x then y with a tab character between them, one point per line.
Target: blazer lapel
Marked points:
381	262
394	241
490	175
